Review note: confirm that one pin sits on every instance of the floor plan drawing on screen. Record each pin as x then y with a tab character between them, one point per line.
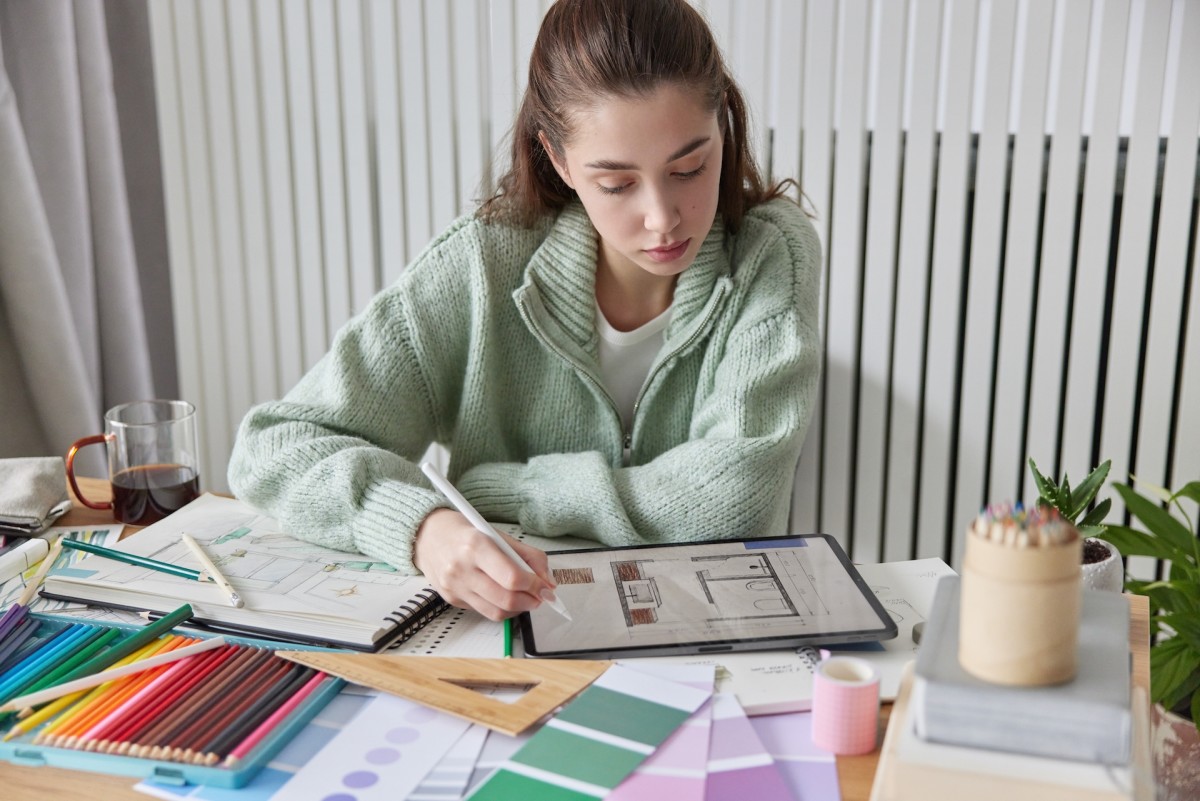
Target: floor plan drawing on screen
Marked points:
725	587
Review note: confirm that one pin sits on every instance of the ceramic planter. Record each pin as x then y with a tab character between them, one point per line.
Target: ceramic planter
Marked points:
1176	748
1108	575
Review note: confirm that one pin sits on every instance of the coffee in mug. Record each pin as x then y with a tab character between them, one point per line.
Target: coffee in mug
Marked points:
153	462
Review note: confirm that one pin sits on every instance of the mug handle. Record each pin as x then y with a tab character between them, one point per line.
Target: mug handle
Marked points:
75	448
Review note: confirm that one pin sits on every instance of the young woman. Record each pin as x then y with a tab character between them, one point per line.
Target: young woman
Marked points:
621	344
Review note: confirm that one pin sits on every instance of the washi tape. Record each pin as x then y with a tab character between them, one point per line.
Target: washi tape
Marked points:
845	707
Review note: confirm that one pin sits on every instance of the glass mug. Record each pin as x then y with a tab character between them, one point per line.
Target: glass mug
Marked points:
152	460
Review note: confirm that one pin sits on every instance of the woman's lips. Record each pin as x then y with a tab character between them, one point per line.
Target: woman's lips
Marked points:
670	252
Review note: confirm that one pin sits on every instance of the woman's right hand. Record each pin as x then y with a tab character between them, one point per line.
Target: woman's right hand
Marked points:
468	570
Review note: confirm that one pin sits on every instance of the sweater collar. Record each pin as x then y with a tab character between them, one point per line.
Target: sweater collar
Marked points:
562	273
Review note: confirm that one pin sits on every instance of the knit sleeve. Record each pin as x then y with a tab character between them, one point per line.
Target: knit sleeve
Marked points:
334	460
732	477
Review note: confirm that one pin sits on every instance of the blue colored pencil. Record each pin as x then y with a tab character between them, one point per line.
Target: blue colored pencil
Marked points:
42	659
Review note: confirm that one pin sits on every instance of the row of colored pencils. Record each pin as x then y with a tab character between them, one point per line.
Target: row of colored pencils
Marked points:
208	708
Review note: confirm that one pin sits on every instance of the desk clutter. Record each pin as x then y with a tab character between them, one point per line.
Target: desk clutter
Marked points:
162	720
1024	686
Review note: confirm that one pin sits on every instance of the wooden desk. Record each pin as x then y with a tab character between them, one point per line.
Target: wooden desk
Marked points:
56	784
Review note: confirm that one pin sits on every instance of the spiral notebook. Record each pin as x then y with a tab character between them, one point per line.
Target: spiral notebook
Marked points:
293	590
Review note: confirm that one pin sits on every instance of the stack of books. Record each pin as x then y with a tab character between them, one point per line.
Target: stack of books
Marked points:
954	736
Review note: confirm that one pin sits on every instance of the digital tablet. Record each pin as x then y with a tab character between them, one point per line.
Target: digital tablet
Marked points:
729	595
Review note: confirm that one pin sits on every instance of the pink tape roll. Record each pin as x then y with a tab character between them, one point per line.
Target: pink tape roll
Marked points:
845	707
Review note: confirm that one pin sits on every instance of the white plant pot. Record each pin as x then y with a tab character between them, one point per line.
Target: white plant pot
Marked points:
1108	575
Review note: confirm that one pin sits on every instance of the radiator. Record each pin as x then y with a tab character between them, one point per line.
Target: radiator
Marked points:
1006	191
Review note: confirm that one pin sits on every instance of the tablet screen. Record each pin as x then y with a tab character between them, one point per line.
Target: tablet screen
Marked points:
777	592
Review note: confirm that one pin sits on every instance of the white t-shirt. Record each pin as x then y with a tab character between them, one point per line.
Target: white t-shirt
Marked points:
626	357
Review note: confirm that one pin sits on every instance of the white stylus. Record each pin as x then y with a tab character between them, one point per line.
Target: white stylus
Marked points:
468	511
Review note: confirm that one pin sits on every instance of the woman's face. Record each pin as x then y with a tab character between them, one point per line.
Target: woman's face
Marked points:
647	170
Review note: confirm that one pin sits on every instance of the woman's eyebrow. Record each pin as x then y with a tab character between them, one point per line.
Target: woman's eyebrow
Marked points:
608	164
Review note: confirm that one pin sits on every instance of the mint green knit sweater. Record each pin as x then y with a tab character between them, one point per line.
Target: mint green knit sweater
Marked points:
487	344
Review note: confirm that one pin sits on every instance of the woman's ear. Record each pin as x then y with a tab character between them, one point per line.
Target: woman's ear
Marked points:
559	166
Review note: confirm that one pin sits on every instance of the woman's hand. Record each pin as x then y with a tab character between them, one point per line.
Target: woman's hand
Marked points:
468	570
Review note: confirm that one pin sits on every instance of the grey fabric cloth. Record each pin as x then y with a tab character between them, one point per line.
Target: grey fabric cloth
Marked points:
33	493
72	331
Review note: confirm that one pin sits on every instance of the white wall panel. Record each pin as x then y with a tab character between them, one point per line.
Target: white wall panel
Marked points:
313	147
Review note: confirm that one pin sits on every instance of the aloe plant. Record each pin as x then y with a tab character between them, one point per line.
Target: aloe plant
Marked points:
1073	504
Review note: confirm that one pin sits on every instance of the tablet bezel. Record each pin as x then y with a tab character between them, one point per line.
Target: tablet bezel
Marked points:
888	629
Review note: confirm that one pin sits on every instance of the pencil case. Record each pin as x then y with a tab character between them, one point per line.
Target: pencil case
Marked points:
23	750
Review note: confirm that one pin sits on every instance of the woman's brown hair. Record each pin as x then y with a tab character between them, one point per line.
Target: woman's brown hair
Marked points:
590	49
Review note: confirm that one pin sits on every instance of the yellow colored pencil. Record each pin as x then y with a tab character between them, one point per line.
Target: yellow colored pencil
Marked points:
106	695
83	696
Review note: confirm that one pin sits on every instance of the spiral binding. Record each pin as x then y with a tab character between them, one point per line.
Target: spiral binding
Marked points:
415	615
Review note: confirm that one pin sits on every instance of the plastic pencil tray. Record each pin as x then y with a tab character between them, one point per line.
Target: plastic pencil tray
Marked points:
21	750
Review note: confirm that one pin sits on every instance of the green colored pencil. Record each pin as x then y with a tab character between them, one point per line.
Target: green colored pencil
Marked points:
144	636
134	559
507	637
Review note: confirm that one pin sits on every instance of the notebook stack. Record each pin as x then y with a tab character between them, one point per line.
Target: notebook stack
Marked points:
951	731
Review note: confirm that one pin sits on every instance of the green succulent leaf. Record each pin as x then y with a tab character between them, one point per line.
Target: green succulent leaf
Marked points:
1085	492
1097	515
1044	487
1159	521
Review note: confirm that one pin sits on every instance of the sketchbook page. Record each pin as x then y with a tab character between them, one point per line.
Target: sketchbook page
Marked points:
906	591
456	632
287	584
106	536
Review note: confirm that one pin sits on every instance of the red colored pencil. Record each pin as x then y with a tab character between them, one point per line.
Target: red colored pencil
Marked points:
230	704
139	741
267	726
154	698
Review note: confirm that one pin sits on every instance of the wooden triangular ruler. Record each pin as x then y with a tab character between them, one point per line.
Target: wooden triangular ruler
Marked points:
445	682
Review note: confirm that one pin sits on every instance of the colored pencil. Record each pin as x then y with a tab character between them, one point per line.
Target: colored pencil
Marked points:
253	693
176	680
145	634
12	618
50	694
134	559
154	739
175	690
40	576
24	659
251	712
259	734
17	638
249	682
212	571
69	704
82	653
507	637
99	703
42	660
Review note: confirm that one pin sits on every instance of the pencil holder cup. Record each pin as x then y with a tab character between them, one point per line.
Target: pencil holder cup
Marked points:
1021	598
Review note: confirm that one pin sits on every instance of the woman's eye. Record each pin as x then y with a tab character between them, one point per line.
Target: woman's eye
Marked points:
686	176
612	190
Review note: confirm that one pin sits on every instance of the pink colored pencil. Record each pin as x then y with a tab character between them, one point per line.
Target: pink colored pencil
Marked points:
264	728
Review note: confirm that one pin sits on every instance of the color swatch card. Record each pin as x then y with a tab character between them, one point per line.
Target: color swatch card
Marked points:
596	740
384	754
677	770
809	771
739	765
449	779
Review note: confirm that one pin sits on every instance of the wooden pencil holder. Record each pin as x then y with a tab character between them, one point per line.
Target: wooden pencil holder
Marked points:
1019	623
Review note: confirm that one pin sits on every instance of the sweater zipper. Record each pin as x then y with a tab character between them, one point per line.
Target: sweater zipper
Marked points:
626	436
700	329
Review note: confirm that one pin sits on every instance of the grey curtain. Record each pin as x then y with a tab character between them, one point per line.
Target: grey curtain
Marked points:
73	332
